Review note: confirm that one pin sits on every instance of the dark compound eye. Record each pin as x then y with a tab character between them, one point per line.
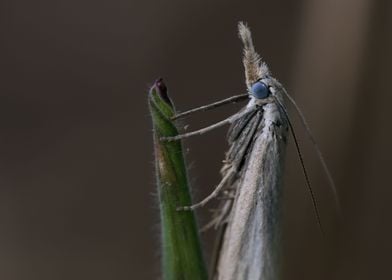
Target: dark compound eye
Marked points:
260	90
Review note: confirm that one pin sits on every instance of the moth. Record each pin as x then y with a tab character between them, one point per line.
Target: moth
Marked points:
249	219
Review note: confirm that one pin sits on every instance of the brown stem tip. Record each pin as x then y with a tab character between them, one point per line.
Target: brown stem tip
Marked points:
162	91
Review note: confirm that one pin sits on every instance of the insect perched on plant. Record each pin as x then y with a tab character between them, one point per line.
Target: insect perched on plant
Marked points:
252	173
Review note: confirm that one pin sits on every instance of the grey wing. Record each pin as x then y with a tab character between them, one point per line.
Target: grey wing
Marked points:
241	137
253	225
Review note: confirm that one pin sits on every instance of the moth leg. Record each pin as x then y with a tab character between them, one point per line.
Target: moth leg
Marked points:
232	99
208	128
227	194
211	195
199	131
219	219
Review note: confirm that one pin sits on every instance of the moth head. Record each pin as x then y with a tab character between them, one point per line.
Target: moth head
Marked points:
260	90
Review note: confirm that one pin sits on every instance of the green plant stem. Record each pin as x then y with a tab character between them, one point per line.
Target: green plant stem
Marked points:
182	256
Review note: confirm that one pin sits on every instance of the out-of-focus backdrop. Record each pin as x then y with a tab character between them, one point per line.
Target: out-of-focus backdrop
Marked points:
77	194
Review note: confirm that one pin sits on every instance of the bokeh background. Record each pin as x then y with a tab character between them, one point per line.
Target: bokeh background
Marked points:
77	194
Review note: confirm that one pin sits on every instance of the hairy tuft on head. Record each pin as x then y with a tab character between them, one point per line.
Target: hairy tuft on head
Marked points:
255	69
245	35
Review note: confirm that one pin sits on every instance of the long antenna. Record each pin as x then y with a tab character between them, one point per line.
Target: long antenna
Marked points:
318	151
314	201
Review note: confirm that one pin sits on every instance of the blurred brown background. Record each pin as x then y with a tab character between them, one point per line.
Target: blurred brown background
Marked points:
77	195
